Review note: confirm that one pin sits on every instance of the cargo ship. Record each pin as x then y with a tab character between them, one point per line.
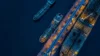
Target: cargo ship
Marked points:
46	7
63	29
78	35
55	22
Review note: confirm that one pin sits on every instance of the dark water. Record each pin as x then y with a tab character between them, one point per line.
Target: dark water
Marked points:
19	35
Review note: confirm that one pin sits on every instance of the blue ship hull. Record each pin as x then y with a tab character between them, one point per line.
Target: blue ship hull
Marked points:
78	35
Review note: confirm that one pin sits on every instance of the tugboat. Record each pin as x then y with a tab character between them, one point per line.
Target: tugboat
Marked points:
40	13
55	22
